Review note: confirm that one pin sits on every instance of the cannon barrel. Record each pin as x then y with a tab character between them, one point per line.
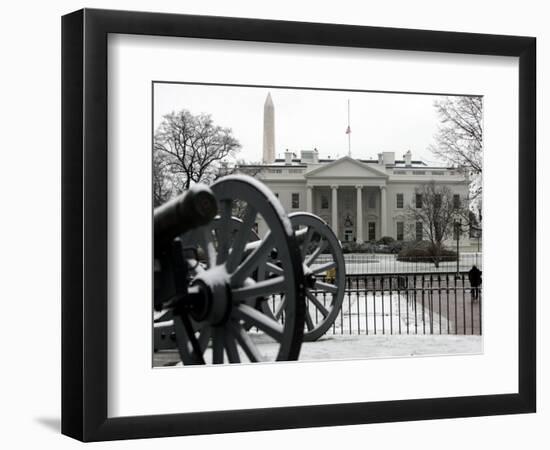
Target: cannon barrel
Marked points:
194	208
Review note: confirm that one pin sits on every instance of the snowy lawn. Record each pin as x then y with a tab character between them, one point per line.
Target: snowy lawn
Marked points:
376	263
362	347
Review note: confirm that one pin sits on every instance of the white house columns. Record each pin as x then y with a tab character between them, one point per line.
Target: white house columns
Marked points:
359	234
383	212
309	199
334	206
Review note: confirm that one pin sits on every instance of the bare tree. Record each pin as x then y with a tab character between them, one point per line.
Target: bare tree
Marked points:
459	139
240	166
437	210
193	147
164	184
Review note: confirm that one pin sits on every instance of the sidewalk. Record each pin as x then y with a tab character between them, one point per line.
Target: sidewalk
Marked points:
363	347
360	347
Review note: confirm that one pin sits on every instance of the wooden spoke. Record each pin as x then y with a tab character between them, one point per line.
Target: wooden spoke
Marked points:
241	239
262	288
320	248
255	318
273	268
217	345
280	308
207	243
324	311
322	286
309	321
231	348
245	342
204	337
253	260
323	267
188	346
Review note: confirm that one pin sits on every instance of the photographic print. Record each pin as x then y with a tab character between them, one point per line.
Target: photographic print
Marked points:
291	216
314	224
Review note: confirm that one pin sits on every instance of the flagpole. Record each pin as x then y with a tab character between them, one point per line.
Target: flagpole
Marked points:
349	134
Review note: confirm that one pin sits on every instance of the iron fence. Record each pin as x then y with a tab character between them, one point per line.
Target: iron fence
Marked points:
375	263
406	303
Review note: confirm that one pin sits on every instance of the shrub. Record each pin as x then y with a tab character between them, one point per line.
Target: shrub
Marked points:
354	247
424	251
386	240
396	246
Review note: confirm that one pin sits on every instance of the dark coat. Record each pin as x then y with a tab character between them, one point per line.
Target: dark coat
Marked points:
474	275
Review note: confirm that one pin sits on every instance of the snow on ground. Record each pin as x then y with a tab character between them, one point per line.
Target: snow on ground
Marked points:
362	347
364	263
347	339
388	346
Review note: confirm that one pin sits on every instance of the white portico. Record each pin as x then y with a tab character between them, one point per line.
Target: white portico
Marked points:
352	192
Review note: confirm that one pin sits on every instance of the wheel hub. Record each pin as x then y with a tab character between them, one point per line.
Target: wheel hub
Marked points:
210	296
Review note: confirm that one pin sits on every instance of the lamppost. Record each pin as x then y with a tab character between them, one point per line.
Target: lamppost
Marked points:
458	227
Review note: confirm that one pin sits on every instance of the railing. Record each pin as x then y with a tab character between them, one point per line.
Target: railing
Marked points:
376	263
407	303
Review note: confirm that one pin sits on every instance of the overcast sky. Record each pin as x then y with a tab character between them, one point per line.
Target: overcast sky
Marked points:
305	119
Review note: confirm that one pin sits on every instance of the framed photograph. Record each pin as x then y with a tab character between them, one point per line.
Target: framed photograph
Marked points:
273	224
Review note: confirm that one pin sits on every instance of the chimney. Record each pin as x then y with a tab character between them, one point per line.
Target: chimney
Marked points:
380	158
388	158
309	156
408	158
288	157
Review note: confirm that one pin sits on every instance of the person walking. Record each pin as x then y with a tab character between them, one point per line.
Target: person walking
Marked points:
474	275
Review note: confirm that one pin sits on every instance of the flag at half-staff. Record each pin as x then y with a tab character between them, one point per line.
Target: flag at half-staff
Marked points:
348	132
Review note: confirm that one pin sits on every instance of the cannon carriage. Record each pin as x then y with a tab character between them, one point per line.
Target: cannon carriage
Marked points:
225	294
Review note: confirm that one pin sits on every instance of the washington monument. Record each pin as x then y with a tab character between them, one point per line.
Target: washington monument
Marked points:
269	131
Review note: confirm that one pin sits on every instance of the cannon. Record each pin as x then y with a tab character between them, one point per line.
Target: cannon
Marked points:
225	294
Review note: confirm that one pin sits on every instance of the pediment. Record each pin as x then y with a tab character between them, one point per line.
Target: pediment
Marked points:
346	167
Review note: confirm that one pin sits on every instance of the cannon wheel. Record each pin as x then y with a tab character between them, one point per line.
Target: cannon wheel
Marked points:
324	270
164	334
227	276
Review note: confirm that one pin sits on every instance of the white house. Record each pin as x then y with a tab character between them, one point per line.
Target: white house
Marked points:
362	200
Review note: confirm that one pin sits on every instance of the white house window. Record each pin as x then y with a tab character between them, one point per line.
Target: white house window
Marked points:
372	231
400	231
372	200
347	200
419	232
324	201
399	201
295	200
348	235
418	200
437	200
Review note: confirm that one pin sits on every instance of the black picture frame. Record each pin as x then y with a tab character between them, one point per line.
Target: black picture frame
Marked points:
84	224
